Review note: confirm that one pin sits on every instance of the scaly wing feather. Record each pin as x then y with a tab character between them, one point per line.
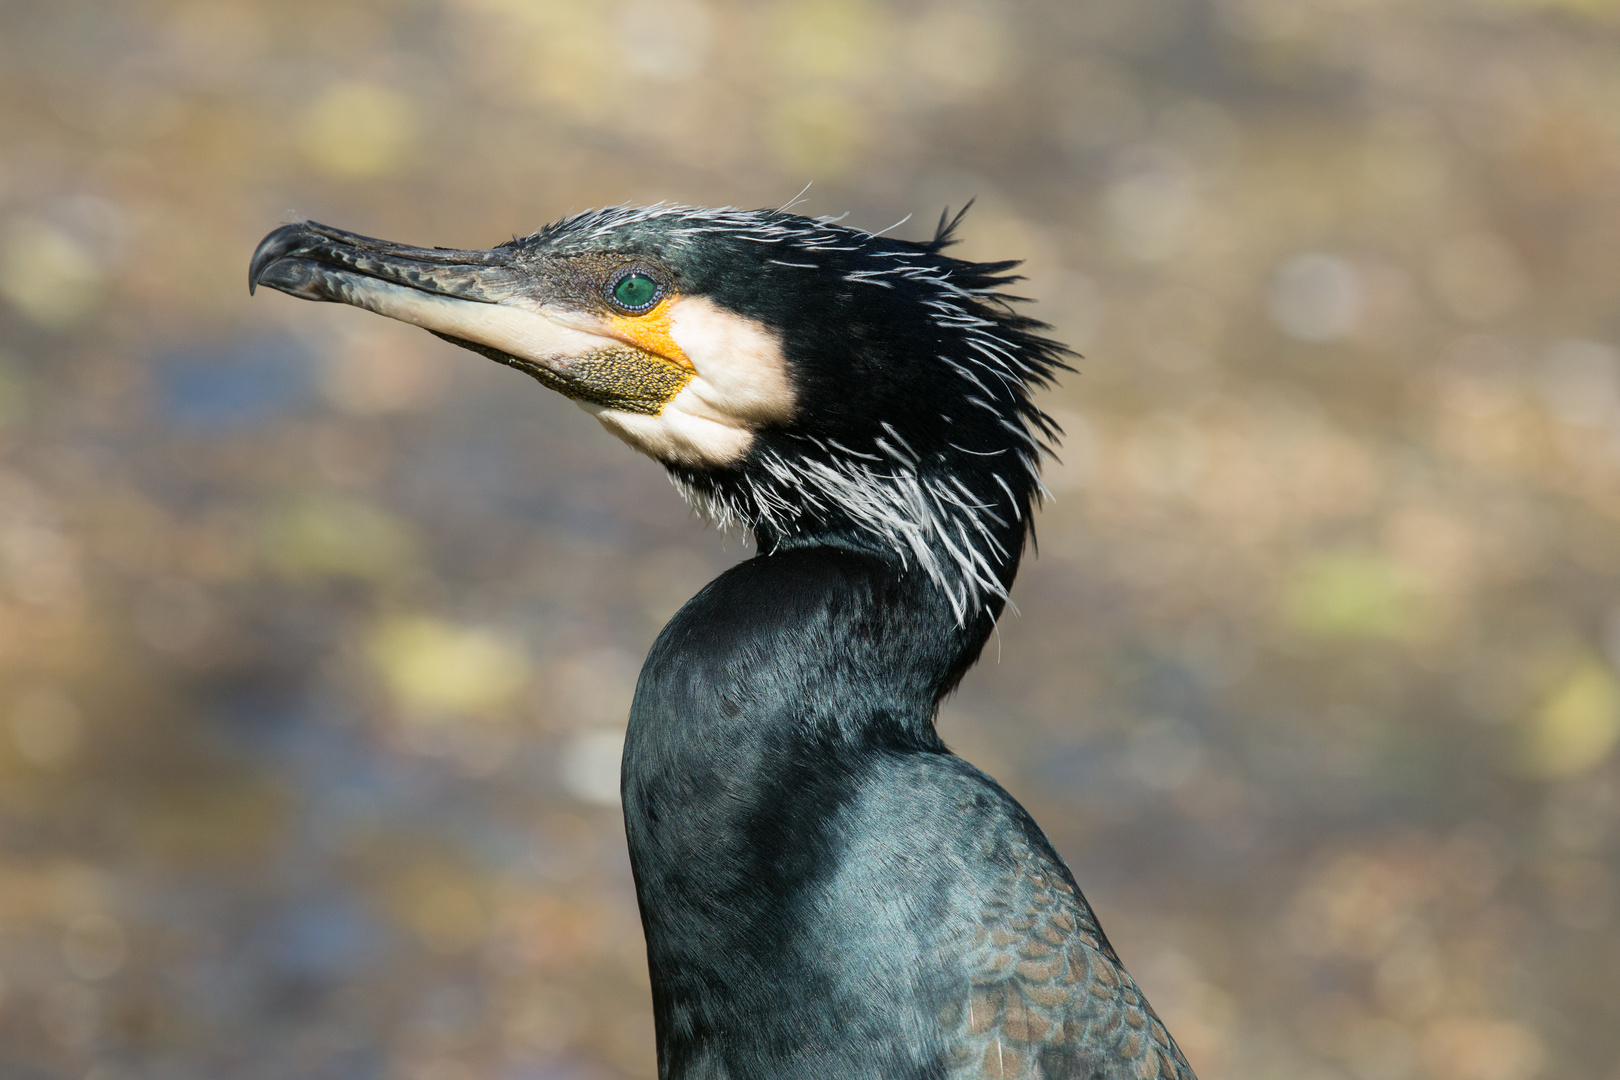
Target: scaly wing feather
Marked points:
1048	998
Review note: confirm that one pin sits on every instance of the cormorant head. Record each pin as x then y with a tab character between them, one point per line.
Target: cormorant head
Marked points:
812	382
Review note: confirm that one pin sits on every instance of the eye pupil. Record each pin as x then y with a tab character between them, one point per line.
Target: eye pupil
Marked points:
635	290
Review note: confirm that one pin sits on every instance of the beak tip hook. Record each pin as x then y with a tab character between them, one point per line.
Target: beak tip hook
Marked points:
287	240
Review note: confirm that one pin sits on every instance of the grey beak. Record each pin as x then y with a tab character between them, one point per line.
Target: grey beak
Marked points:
317	262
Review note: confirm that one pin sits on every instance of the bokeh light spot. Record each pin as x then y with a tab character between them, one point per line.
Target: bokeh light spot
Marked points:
94	947
48	274
1580	381
829	39
1348	595
323	536
1315	297
443	668
666	39
1151	205
817	133
1576	725
357	130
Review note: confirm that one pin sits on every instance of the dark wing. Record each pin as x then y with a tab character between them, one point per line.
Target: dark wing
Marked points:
1048	999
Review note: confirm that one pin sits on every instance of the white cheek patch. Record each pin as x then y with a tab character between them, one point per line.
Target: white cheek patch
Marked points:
742	375
742	383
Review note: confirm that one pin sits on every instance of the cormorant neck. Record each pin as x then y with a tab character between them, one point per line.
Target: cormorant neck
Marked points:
761	707
959	521
814	639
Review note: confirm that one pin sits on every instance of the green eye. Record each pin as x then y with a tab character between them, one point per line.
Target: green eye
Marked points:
635	291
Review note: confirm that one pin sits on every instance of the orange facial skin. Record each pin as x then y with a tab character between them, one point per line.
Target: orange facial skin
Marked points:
650	331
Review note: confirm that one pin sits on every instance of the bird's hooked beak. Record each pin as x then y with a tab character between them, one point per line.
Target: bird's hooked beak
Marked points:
493	302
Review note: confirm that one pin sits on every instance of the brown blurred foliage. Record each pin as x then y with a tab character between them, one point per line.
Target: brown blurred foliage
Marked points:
317	635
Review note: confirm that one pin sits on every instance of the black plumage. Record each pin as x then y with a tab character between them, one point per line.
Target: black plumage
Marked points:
826	890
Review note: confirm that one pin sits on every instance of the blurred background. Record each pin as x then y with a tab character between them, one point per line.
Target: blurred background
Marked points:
317	634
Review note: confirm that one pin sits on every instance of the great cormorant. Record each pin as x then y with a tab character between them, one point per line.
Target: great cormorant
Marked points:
827	891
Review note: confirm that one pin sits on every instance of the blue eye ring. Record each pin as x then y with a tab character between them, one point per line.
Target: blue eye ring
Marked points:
635	291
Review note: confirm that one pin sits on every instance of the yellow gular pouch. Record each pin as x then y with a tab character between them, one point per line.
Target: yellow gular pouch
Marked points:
616	377
651	330
640	379
627	379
